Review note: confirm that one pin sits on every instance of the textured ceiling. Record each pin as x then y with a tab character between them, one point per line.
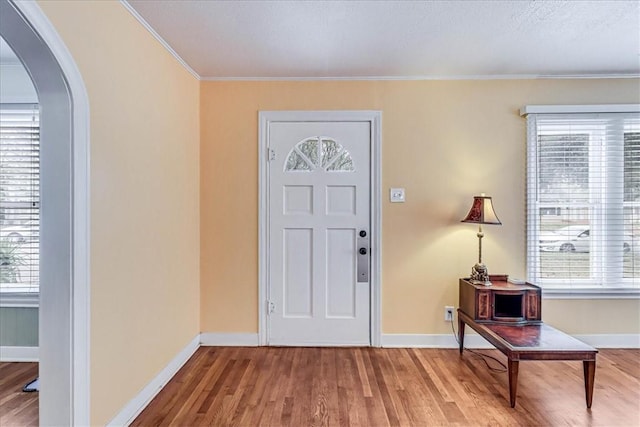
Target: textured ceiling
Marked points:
399	39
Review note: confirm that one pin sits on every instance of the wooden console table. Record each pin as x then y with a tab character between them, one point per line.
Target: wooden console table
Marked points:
519	339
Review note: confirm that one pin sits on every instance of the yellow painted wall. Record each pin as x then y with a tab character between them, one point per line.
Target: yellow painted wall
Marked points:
443	141
144	198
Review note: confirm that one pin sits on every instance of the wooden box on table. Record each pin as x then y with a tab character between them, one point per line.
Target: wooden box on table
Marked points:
503	301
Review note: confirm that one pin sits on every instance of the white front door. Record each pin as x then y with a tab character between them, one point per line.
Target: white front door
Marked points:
319	225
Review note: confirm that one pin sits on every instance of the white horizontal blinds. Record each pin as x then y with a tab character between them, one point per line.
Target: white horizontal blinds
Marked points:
584	199
19	198
631	136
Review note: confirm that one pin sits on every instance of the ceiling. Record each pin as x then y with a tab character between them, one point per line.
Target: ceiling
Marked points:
398	39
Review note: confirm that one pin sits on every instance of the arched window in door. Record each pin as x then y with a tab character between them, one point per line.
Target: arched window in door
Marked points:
319	153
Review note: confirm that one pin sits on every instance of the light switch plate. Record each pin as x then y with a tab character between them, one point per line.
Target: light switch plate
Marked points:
396	195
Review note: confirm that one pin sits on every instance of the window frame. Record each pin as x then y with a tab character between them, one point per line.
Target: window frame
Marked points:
588	288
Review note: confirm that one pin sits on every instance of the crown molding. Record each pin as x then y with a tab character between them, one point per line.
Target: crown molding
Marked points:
157	36
443	77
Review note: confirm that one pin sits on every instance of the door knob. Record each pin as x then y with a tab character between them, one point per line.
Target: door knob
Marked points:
363	233
363	251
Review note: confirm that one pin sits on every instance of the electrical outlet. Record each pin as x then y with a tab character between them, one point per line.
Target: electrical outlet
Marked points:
448	313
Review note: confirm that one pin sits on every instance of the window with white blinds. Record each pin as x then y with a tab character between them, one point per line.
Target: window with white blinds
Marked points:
583	201
19	198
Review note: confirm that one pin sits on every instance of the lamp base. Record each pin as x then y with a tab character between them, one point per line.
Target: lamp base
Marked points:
480	275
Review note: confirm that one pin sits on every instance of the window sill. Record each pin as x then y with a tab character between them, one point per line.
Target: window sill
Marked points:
19	299
590	293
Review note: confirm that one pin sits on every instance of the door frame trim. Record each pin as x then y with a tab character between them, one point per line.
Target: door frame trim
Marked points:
265	118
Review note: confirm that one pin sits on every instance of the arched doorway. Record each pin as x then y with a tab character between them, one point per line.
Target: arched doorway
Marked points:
64	264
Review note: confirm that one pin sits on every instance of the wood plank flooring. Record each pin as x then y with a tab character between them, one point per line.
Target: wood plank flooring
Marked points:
366	387
16	407
269	386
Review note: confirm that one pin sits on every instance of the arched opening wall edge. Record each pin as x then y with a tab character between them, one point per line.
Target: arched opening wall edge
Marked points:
65	297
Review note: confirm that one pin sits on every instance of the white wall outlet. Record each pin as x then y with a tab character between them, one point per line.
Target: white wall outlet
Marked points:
396	195
448	313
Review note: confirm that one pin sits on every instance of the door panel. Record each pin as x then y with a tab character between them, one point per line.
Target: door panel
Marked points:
341	200
298	200
319	201
341	288
298	257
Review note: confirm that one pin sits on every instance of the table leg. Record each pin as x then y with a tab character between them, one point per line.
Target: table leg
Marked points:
513	381
589	376
461	326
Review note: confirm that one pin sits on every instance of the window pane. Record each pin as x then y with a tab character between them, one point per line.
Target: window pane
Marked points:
310	149
631	257
295	162
565	243
632	166
343	163
631	261
563	168
19	200
330	149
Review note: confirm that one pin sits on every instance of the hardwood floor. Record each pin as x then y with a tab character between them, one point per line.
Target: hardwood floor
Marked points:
267	386
366	387
16	407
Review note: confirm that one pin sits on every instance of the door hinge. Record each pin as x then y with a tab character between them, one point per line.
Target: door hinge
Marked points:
271	154
271	306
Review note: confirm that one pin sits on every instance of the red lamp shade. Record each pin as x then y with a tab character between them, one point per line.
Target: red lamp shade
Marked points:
482	212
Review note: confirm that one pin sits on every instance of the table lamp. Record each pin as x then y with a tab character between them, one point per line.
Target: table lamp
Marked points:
481	212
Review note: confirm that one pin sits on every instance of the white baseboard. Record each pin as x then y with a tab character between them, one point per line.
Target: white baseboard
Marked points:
432	341
218	339
476	341
142	399
611	340
19	354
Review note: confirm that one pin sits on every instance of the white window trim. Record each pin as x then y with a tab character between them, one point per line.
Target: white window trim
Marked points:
573	109
588	291
19	299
